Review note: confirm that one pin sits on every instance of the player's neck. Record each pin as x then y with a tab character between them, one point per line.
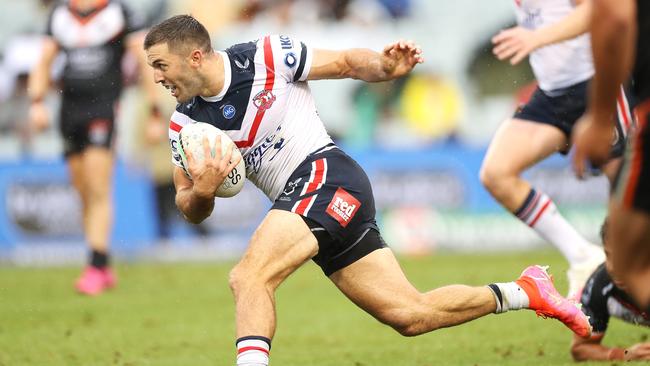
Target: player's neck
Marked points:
215	74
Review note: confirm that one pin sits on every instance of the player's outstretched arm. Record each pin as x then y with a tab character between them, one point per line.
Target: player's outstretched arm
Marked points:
39	83
591	349
516	43
397	59
584	349
613	36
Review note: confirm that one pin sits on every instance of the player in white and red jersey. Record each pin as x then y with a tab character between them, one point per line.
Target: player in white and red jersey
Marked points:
323	207
553	33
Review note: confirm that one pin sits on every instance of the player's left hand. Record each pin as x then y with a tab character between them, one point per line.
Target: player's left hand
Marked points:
639	351
401	57
515	44
592	141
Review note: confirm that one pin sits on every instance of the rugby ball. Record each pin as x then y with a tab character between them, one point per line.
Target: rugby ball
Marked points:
191	139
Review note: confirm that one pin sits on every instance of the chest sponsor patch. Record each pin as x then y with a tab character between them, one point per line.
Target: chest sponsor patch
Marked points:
343	207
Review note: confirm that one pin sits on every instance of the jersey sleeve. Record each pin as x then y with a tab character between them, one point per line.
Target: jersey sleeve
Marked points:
292	58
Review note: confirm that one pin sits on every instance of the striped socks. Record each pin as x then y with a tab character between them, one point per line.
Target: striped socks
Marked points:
540	213
253	351
508	296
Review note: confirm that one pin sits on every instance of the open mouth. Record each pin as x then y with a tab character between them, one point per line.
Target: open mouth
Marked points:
172	88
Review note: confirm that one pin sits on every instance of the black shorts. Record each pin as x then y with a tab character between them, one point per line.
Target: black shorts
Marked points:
86	121
332	192
562	109
632	184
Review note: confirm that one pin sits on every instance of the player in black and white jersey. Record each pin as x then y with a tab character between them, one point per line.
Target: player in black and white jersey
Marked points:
620	39
93	35
323	207
552	33
603	298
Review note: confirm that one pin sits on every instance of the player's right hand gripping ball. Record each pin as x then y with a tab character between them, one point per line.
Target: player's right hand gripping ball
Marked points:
191	138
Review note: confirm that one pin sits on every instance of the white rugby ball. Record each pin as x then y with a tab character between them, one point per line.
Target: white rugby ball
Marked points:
191	139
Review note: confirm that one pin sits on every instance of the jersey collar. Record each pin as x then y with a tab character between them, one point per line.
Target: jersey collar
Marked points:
226	79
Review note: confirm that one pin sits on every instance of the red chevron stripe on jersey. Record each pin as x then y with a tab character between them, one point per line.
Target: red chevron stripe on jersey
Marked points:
270	79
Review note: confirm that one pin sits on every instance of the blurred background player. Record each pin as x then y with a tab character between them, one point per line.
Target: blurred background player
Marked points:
323	206
94	35
602	298
563	67
620	31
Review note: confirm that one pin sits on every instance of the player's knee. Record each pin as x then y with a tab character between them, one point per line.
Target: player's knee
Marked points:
242	277
488	175
237	279
494	179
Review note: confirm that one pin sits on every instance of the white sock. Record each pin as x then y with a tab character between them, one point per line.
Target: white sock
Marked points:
509	296
540	213
253	351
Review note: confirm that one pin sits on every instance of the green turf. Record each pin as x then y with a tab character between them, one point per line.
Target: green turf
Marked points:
182	314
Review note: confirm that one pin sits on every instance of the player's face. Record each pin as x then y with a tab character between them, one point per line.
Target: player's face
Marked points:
174	72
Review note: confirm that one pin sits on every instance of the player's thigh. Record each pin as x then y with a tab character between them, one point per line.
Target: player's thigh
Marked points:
281	244
98	169
76	172
519	144
377	284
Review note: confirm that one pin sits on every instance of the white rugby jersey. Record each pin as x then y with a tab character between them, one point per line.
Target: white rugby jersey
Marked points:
558	65
265	107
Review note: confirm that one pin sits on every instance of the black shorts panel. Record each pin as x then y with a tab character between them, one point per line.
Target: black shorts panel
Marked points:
563	108
331	189
334	255
86	121
632	183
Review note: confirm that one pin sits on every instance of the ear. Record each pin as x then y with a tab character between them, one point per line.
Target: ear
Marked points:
196	57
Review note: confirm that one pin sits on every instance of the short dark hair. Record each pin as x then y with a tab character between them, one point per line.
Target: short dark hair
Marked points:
603	230
179	32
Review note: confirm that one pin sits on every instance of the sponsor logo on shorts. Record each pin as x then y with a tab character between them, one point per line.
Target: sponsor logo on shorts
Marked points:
291	186
343	207
98	131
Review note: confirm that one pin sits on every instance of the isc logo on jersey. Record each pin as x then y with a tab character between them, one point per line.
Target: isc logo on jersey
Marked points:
343	207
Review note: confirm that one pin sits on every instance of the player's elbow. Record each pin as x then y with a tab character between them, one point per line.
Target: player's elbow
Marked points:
195	218
579	352
614	17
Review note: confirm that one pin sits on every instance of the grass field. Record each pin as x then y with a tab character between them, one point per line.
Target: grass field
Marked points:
182	314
